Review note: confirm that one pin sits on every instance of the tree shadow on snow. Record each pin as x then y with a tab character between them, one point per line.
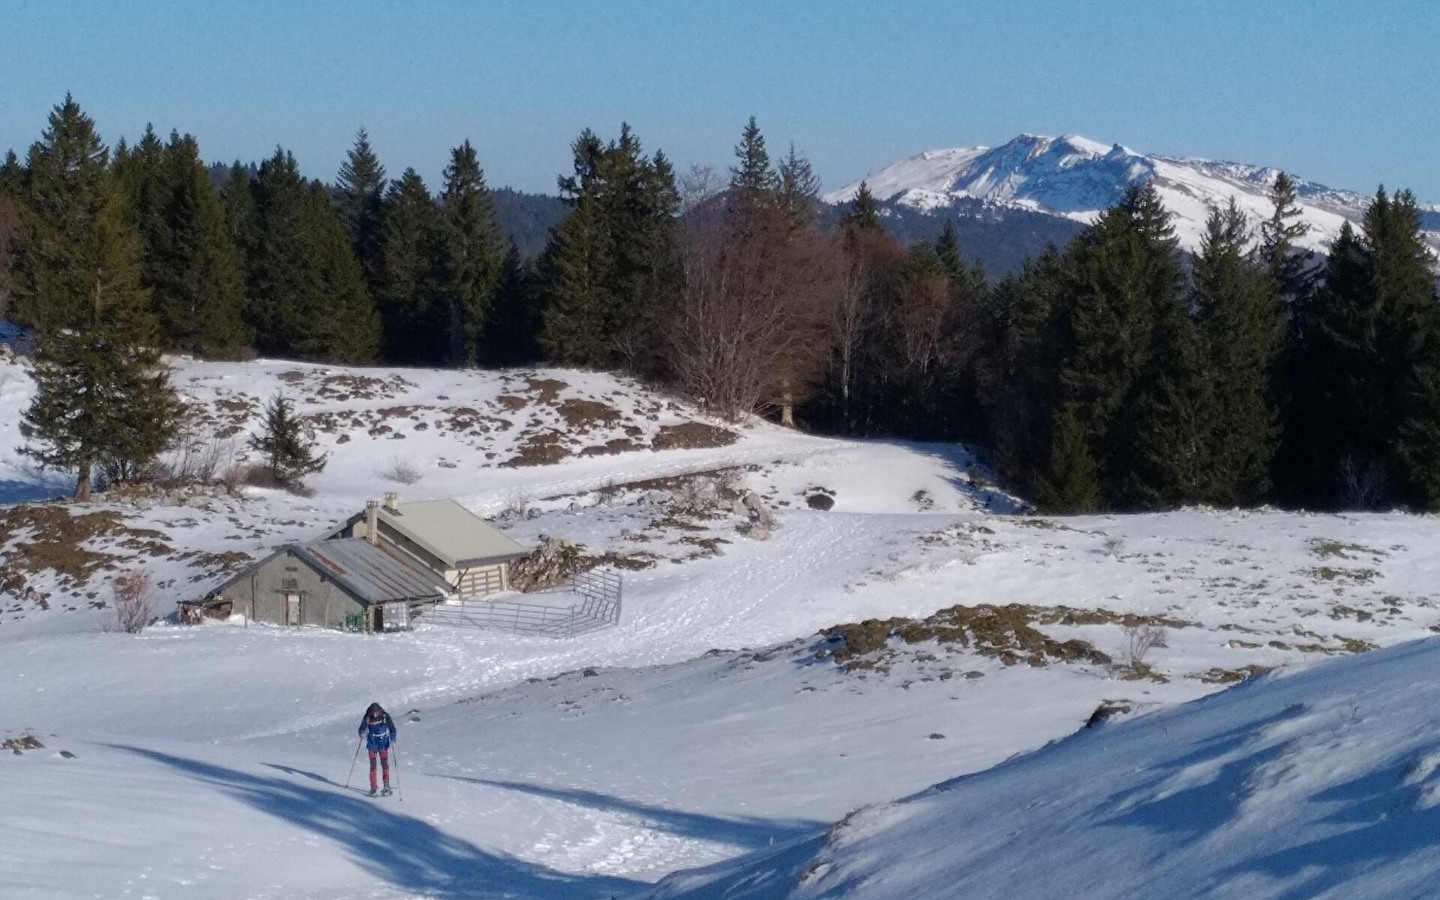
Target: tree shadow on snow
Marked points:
406	852
964	462
1382	825
745	832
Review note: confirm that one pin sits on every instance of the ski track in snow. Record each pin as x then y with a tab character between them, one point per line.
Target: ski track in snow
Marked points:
211	762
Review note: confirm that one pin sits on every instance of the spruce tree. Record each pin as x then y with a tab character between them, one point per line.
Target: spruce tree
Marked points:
340	322
947	248
1125	291
1071	483
798	189
572	270
1403	279
752	179
612	262
196	275
307	291
863	212
1237	305
1279	235
412	311
1360	417
512	336
470	253
102	393
288	453
359	193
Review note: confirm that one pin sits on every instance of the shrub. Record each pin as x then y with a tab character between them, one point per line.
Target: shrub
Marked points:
1139	641
197	456
403	471
132	601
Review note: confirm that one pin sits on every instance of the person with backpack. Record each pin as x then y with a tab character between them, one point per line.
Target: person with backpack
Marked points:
378	730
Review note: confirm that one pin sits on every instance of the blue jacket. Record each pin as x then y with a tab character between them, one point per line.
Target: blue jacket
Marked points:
377	735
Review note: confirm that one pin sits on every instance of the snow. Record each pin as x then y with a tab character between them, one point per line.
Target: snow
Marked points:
711	724
1077	178
1320	784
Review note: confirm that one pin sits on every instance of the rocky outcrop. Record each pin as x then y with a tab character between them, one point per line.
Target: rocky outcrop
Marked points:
551	563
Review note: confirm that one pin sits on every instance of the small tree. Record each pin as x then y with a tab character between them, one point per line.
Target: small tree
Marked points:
289	454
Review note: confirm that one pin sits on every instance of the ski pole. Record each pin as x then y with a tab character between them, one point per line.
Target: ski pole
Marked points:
395	770
353	762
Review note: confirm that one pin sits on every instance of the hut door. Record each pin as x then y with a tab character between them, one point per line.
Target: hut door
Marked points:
292	609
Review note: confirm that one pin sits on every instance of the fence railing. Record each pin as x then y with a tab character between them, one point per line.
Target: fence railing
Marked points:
599	596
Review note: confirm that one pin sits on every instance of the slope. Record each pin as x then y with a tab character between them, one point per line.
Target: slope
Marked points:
1318	784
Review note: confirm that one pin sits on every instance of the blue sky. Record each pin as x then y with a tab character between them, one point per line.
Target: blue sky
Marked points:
1346	93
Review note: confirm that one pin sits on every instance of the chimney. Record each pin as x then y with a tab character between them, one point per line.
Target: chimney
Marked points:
392	502
372	521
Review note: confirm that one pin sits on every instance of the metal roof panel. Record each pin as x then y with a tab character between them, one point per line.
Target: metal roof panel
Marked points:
369	573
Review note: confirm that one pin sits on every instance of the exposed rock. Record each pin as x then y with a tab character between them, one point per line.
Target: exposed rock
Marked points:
822	502
551	563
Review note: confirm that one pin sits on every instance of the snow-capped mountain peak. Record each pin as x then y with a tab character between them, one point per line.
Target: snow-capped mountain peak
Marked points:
1076	178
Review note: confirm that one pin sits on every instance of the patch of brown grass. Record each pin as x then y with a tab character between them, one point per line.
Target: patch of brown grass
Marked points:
581	415
692	436
547	390
611	447
541	449
1008	632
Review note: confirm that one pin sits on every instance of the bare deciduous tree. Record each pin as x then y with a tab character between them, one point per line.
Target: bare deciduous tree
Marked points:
751	329
132	601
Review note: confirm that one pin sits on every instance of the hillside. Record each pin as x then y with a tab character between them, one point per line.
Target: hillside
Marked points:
754	692
1074	178
1319	784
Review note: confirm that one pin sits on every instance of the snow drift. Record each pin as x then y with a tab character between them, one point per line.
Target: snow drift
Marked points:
1323	783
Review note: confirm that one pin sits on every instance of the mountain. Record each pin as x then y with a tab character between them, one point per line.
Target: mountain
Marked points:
1075	178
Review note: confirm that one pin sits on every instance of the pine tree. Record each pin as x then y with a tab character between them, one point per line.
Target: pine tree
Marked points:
863	212
798	189
1403	278
1174	460
1360	418
1125	292
1242	323
1071	484
947	248
574	277
611	263
470	253
413	314
103	394
359	193
340	322
512	336
752	179
1279	236
196	275
289	455
307	291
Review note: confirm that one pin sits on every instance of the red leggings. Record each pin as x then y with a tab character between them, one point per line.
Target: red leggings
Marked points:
384	766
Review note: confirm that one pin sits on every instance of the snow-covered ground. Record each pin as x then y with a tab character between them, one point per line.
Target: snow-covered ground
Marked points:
711	723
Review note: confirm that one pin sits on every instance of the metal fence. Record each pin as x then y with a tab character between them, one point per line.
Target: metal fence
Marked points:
598	606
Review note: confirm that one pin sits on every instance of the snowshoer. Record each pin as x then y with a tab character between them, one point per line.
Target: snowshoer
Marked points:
378	730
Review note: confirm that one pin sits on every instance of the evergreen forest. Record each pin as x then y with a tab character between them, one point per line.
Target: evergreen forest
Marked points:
1111	372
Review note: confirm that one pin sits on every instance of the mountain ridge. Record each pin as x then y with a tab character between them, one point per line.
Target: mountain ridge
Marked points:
1075	178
